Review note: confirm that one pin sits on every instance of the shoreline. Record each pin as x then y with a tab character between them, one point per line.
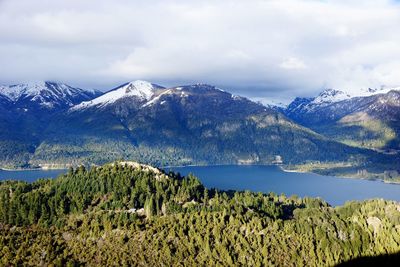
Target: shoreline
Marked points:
294	171
345	177
280	166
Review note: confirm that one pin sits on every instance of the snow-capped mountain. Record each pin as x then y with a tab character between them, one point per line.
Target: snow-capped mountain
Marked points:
137	95
139	90
27	110
48	95
329	96
368	118
193	123
197	123
201	96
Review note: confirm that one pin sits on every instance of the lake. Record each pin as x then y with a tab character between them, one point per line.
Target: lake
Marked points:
30	175
335	191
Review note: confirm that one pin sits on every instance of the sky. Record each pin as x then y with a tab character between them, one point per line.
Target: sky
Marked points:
265	50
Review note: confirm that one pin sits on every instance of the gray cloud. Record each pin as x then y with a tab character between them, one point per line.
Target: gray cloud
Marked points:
262	49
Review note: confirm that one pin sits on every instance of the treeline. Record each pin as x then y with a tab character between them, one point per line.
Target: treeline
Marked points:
116	187
136	215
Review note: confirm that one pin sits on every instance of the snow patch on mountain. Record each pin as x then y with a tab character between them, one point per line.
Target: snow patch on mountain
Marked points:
335	103
235	97
141	89
157	98
330	96
14	92
270	102
46	94
333	95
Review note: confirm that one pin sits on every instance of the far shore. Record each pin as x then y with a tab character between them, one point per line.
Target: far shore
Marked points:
295	171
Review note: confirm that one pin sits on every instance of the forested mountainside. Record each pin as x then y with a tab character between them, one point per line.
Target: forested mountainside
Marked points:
196	124
55	125
125	213
369	121
26	110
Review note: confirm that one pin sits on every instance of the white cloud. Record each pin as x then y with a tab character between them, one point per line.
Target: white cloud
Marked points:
258	48
292	63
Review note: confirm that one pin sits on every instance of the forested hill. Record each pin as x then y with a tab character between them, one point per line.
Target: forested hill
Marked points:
124	214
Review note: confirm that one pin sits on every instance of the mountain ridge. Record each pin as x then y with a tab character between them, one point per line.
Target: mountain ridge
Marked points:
200	124
46	94
366	121
188	124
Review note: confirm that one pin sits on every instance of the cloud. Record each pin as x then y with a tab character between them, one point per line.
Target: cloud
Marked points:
261	49
292	63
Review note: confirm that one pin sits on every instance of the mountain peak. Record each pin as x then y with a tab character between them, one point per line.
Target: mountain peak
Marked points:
139	89
331	95
15	91
46	94
334	95
142	89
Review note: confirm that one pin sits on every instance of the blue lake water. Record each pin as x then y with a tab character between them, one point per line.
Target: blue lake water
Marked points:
30	175
335	191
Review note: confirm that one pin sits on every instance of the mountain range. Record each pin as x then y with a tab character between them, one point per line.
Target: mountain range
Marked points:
370	119
51	124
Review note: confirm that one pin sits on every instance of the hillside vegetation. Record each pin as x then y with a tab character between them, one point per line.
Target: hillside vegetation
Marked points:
129	214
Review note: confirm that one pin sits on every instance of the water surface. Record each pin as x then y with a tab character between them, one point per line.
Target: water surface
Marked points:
334	190
30	175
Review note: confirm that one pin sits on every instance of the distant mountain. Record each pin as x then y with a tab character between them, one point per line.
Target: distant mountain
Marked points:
51	124
192	124
330	96
26	110
370	121
45	95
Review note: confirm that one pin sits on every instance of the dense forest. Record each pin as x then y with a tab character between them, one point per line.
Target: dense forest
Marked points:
124	214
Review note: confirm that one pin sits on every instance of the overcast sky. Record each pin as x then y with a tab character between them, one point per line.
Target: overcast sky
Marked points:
260	49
